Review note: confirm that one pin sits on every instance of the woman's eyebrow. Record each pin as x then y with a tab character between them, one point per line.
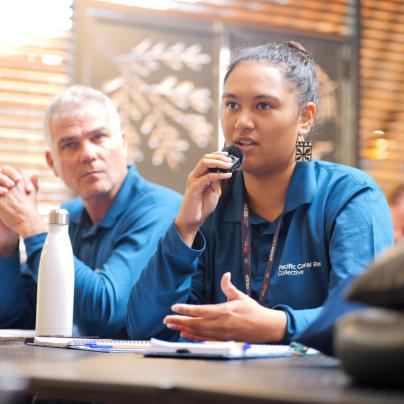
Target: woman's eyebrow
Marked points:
229	95
258	97
273	98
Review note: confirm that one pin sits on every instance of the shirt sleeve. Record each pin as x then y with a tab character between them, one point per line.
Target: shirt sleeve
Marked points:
358	232
101	294
320	333
166	280
18	292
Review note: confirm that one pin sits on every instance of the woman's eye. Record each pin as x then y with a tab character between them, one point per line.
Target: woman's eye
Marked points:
263	106
231	105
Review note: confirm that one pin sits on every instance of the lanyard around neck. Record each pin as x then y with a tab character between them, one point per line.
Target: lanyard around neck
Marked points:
246	254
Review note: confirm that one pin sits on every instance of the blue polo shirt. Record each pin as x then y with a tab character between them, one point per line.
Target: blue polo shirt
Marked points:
109	257
335	221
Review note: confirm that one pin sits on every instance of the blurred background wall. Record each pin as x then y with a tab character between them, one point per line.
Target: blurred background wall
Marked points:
162	63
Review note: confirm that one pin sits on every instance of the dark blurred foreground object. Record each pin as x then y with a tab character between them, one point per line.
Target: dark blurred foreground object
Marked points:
370	342
12	390
370	345
383	284
320	333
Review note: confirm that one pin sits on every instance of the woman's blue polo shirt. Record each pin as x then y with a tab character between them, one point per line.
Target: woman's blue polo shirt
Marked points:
336	221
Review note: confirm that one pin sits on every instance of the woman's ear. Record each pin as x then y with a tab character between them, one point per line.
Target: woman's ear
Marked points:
307	115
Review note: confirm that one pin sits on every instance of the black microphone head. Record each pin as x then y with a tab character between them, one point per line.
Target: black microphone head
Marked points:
237	158
235	151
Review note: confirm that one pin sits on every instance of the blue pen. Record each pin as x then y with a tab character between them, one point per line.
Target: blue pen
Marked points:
246	346
94	345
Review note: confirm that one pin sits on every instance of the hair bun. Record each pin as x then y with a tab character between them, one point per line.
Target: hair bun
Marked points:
298	46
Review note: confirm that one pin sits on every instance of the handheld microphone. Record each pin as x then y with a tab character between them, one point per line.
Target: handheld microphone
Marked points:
237	158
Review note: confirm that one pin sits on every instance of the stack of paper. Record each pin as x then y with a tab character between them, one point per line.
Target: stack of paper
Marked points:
220	350
156	347
93	344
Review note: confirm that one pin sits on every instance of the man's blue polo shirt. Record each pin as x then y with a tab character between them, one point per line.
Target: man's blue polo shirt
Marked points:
335	221
109	257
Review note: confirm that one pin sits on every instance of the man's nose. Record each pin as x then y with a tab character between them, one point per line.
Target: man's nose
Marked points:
88	151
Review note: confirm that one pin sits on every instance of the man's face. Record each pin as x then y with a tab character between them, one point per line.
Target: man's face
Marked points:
87	153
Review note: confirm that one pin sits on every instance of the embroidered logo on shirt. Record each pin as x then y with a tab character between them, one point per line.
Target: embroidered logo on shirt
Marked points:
297	269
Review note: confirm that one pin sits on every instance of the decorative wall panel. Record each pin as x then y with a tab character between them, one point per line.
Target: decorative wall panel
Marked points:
161	75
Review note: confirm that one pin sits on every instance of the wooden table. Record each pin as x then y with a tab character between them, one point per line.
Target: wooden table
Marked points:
129	377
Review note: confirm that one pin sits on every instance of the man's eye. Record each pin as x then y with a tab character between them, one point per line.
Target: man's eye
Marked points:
263	106
69	146
231	105
99	137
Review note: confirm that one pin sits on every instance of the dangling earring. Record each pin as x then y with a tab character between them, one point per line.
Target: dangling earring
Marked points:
304	150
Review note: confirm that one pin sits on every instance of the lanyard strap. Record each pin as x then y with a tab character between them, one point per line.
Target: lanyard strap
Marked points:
246	254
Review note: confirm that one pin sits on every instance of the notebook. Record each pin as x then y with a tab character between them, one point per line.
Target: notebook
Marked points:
93	344
223	350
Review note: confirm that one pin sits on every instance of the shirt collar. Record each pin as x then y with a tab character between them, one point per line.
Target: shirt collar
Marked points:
302	189
76	216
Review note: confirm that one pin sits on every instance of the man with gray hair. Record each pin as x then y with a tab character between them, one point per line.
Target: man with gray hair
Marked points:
115	222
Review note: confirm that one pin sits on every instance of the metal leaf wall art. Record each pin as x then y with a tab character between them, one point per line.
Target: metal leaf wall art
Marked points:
328	111
157	115
328	96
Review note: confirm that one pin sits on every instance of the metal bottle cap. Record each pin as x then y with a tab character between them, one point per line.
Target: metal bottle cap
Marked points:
58	216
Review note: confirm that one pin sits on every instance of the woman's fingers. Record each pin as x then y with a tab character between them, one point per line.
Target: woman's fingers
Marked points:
207	180
197	328
212	160
198	310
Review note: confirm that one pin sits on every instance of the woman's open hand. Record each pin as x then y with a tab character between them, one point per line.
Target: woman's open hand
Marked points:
240	319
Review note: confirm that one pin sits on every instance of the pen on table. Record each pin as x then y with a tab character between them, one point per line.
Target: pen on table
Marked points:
298	349
129	346
246	346
95	345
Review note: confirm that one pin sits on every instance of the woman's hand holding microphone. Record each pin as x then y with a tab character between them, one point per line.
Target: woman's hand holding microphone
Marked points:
202	193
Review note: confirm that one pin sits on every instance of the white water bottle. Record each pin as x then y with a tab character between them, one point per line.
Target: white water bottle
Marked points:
55	293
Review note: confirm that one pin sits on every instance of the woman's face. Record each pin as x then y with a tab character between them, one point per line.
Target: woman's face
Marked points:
260	115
